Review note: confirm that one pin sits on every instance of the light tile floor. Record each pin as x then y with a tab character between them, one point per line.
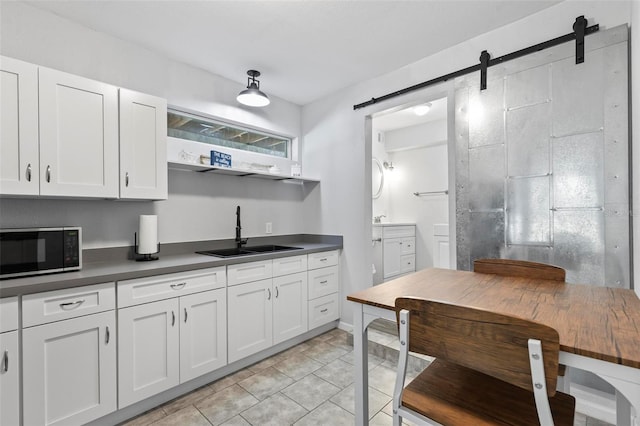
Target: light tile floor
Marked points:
307	385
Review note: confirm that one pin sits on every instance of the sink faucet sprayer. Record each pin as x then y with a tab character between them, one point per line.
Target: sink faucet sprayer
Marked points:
239	241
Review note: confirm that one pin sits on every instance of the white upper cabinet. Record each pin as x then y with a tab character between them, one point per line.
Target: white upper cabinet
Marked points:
78	136
62	135
143	146
18	127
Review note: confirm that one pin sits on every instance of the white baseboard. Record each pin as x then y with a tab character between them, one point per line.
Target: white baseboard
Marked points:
345	327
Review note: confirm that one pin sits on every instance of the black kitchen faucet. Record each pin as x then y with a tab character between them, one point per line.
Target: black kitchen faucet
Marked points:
239	241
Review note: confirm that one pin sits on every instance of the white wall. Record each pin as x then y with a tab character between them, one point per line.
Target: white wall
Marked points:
334	134
429	133
380	205
199	207
420	170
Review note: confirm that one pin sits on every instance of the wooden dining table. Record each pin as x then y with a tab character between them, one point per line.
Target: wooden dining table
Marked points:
599	327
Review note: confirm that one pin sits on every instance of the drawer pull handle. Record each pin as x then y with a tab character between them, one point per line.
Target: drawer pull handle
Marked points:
5	362
173	318
29	172
324	259
269	296
67	306
48	174
107	336
185	315
323	282
277	292
126	179
178	286
324	310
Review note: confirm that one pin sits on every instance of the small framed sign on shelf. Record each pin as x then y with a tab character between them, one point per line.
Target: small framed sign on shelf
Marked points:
220	159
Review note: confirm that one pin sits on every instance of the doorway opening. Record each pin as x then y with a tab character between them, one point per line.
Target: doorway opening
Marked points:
410	189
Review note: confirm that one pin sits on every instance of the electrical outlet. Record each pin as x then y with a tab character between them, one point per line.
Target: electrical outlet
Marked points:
268	228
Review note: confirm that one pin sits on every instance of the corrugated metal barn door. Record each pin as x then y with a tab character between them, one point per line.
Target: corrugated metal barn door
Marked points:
542	161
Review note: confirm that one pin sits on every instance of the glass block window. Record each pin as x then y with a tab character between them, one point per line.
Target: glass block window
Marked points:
206	130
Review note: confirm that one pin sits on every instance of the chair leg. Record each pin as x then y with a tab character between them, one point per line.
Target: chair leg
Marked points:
402	366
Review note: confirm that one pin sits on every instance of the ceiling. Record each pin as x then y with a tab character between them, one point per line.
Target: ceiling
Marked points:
406	117
304	49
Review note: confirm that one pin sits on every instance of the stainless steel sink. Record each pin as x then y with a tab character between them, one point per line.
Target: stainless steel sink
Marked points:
247	251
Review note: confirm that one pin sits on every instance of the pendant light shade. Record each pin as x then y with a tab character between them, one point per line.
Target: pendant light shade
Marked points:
252	95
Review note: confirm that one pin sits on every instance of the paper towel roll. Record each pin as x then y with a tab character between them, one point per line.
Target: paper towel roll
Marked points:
148	234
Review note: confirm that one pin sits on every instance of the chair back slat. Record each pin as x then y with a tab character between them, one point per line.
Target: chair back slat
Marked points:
519	268
489	342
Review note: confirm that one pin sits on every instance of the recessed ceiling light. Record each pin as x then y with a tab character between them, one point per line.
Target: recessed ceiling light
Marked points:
421	109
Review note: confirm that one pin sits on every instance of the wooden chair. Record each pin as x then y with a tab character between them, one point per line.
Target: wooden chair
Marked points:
519	268
526	269
490	369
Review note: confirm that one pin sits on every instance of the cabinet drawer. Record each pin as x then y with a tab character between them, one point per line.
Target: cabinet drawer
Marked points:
289	265
323	310
247	272
42	308
150	289
8	314
399	231
323	281
408	245
408	263
323	259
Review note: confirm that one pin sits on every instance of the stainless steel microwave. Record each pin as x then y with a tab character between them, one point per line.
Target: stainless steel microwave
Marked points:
33	251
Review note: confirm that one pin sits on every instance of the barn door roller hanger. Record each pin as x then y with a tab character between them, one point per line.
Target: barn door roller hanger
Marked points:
580	30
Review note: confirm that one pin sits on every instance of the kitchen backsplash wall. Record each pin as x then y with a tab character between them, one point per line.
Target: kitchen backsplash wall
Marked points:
200	206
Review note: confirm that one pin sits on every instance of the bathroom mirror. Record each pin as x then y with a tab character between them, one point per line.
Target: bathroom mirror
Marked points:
377	178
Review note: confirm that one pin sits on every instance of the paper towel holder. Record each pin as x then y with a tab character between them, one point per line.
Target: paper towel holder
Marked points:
145	256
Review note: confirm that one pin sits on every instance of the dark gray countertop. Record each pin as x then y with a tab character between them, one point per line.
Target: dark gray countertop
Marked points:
115	264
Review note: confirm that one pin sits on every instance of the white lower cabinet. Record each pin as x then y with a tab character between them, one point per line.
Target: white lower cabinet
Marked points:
9	374
250	318
9	362
203	333
69	370
167	342
324	288
148	350
269	311
289	306
399	251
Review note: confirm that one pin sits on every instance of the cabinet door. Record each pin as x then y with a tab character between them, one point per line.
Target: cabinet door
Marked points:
290	306
78	136
143	146
69	370
148	350
392	248
250	311
9	373
18	127
203	333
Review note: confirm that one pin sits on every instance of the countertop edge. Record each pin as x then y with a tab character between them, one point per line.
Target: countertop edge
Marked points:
119	270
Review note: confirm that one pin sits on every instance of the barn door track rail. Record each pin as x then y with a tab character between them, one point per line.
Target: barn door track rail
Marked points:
580	30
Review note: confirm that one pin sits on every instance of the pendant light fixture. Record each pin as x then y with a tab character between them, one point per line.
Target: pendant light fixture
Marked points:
252	95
